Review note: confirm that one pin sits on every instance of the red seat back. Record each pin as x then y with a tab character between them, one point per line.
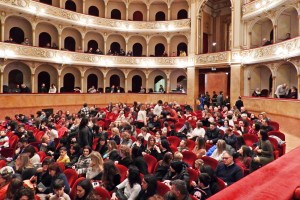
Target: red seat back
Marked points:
103	193
13	141
151	162
42	155
123	171
210	161
190	144
193	174
74	190
221	184
174	141
71	175
162	188
189	157
7	152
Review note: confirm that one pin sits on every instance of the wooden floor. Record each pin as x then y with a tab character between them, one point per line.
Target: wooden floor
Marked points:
291	128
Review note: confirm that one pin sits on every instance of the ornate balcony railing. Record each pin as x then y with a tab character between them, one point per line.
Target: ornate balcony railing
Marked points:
63	15
257	7
279	51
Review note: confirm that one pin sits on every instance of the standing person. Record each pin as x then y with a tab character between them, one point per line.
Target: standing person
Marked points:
220	99
25	89
43	88
85	110
141	120
161	89
85	138
214	98
239	103
207	99
282	91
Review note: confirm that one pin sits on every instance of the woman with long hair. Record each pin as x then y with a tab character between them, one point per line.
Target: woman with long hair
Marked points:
153	149
102	146
131	185
56	173
83	161
95	167
115	135
85	191
163	166
200	147
149	184
138	160
245	157
24	167
73	154
125	157
111	146
219	151
110	175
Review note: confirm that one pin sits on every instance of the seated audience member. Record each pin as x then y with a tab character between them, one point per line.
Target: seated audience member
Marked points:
115	135
83	161
122	52
85	191
185	130
219	151
131	185
26	42
129	53
42	176
126	139
15	185
177	171
281	91
10	40
254	129
149	184
98	51
138	160
24	167
34	158
202	189
47	145
102	146
55	173
227	170
265	126
212	134
58	188
199	131
142	90
5	179
256	93
95	166
242	128
200	147
125	157
163	166
24	193
152	148
245	157
25	89
92	90
110	176
266	42
154	123
180	190
4	140
287	36
63	157
182	146
293	93
230	138
264	151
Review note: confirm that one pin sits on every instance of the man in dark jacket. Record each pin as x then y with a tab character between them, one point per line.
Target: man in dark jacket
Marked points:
213	134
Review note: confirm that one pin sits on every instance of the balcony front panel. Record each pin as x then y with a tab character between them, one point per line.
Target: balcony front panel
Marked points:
44	11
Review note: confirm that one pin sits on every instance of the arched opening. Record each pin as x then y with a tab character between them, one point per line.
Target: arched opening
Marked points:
159	49
94	11
272	36
15	77
160	16
181	47
92	80
137	16
115	14
287	24
114	80
69	83
136	83
43	77
70	43
93	44
115	48
70	5
17	35
182	14
181	80
137	49
263	29
49	2
159	80
44	39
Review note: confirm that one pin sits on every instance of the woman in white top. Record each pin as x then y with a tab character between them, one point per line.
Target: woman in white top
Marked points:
219	151
141	117
197	132
132	184
52	89
144	133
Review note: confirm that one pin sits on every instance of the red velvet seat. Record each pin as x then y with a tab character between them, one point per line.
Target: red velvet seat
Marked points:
95	142
71	175
13	141
275	147
250	139
7	152
193	174
210	161
190	144
73	189
41	154
221	184
123	171
178	126
174	141
189	157
151	162
39	136
103	193
62	131
275	125
282	147
2	163
192	197
61	166
162	188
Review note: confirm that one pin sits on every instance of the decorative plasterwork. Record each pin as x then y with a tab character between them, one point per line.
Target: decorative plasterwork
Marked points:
259	7
213	58
51	12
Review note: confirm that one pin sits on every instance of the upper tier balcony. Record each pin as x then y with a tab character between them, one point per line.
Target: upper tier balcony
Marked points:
64	16
279	51
257	7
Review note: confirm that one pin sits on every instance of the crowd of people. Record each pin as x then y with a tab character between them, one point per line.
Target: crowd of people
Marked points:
94	142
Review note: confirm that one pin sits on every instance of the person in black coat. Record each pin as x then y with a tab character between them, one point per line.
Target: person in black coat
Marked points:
102	147
149	185
125	158
239	103
138	160
84	135
213	134
163	166
74	154
42	175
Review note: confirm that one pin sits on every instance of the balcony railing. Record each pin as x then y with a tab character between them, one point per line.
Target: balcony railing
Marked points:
63	15
257	7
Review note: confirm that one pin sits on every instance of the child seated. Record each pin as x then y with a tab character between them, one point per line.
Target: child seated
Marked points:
63	158
59	194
